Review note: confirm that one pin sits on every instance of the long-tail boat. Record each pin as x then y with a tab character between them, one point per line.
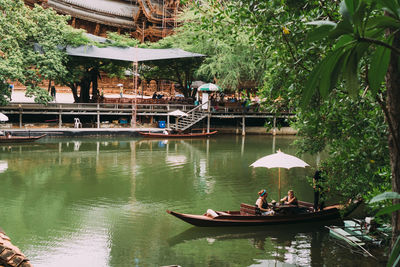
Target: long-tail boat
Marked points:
19	139
177	135
249	215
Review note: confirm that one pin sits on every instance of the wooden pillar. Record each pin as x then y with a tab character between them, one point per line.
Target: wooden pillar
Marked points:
168	117
60	118
274	127
98	115
73	22
143	32
243	125
97	29
135	85
20	118
209	116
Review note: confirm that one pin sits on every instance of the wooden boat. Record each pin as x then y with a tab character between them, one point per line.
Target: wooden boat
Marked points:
248	216
19	139
178	135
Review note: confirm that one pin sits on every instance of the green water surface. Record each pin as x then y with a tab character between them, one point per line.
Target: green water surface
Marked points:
102	202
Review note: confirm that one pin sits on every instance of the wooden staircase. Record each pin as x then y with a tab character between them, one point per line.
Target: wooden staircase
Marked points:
194	116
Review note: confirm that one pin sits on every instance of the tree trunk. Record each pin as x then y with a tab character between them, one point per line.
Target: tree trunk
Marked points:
393	104
74	89
85	89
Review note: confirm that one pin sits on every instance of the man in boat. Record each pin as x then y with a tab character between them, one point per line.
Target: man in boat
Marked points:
262	203
318	191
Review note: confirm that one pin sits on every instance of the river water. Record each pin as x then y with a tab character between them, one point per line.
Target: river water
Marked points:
102	202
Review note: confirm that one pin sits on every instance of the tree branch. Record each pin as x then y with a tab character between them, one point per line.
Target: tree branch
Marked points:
292	54
380	43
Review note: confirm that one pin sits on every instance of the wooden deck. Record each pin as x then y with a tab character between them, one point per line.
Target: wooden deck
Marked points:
103	111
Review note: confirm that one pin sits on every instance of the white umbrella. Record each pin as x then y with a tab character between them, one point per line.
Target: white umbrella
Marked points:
3	117
178	113
209	87
279	160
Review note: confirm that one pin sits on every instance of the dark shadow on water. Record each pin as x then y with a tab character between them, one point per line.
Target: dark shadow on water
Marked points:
276	240
280	233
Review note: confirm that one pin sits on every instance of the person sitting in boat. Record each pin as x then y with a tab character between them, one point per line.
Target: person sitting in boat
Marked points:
262	203
290	199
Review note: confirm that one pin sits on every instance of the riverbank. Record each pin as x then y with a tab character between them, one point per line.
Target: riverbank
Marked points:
134	132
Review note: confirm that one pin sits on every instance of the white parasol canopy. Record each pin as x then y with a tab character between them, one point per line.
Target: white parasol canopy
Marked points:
3	117
279	160
209	87
178	113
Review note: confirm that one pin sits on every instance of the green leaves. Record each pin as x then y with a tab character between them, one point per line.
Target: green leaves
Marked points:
385	196
360	31
20	28
321	31
391	6
394	258
379	65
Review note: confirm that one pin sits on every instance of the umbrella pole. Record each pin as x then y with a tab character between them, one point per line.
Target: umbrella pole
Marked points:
279	191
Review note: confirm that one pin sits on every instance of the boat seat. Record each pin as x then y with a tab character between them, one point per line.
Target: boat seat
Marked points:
246	209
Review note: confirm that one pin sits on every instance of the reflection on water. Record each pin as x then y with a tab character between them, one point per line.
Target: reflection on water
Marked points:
3	166
96	202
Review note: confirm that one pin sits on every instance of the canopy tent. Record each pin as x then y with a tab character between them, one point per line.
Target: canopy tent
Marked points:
129	53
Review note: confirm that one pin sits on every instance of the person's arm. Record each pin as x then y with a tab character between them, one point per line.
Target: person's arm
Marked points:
293	200
284	199
259	205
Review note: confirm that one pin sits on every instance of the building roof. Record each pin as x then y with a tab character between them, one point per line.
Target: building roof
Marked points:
130	53
116	13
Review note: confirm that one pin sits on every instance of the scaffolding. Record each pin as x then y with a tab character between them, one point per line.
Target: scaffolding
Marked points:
169	13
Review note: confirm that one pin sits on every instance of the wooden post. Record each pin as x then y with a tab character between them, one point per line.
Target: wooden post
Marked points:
20	118
243	125
135	83
168	117
98	115
274	130
209	116
279	183
59	118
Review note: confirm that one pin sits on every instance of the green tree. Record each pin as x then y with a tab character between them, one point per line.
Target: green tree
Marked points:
232	58
30	42
367	41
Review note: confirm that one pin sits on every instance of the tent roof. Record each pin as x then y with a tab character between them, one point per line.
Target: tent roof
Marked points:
129	53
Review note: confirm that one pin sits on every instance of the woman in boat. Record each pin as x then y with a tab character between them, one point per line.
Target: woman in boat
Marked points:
262	203
290	199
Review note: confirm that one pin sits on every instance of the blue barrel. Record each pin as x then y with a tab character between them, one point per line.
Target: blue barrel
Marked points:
161	124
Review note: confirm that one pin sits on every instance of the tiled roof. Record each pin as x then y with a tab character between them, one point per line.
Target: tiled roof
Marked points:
112	7
114	13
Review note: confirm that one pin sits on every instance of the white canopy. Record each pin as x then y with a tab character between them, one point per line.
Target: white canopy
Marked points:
129	53
279	160
178	113
3	117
